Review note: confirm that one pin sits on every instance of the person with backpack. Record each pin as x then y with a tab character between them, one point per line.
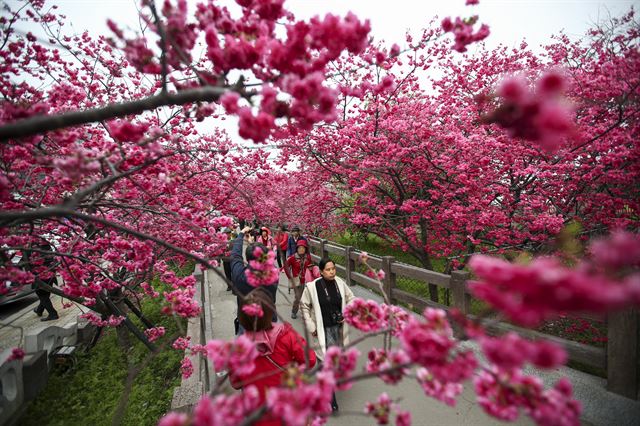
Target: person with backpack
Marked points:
278	345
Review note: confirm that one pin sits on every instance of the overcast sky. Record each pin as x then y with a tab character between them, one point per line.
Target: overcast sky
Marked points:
510	20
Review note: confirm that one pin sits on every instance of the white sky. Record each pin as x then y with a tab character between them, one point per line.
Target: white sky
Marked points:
510	20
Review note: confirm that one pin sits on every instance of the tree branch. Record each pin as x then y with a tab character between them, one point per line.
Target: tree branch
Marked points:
39	124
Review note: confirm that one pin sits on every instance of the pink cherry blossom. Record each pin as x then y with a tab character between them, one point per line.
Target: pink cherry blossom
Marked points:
154	333
381	409
181	343
253	309
341	363
442	391
236	356
16	354
364	315
428	341
186	367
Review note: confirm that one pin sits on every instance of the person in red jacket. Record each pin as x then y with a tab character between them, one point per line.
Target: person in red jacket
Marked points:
281	237
296	267
279	346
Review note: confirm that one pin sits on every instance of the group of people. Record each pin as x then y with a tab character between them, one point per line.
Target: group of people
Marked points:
318	293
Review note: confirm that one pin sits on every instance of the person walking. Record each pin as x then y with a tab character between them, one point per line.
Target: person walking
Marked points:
238	275
292	242
226	259
45	274
281	238
296	268
278	345
322	304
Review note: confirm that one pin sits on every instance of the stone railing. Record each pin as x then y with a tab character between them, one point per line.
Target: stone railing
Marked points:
22	380
199	329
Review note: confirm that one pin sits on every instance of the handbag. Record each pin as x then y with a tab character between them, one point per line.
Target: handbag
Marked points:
311	274
315	271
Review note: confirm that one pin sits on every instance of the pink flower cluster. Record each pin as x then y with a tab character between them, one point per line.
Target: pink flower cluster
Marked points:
16	354
379	275
262	269
396	318
618	251
112	321
512	351
435	388
125	131
381	409
186	367
502	394
154	333
253	309
428	341
341	363
182	343
236	356
223	410
365	315
462	30
182	303
379	360
298	405
403	418
542	116
530	294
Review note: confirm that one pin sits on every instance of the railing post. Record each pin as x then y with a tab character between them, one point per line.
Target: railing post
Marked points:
389	282
458	287
323	251
622	353
350	265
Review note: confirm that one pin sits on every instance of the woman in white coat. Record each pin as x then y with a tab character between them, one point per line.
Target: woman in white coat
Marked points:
322	304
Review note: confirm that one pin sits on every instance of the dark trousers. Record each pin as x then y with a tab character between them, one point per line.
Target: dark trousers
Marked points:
45	303
226	265
280	256
297	290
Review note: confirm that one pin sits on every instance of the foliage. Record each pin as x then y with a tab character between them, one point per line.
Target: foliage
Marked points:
89	393
446	167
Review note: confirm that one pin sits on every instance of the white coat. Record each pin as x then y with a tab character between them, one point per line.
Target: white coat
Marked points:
310	307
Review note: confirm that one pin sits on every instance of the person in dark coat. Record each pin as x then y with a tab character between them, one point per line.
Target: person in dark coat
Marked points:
292	244
45	274
238	268
226	259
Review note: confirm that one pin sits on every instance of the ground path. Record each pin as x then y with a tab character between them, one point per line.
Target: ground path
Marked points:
20	315
425	411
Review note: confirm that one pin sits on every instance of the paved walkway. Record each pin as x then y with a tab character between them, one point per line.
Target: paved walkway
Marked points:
599	406
425	410
29	322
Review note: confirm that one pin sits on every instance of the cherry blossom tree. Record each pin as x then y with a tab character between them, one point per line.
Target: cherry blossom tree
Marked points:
101	152
102	157
420	167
